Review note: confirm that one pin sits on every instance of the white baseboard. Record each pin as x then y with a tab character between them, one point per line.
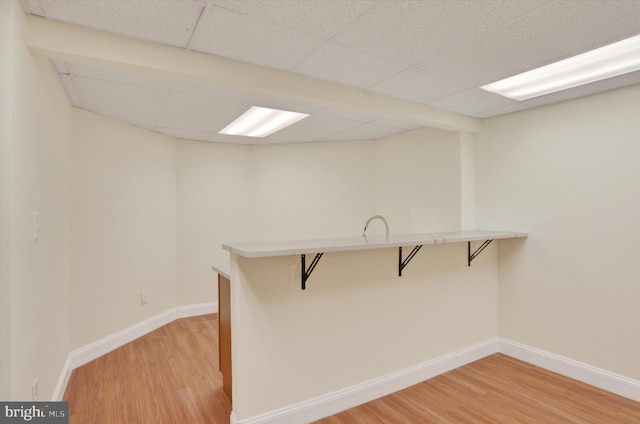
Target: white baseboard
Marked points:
196	310
341	400
332	403
103	346
58	392
597	377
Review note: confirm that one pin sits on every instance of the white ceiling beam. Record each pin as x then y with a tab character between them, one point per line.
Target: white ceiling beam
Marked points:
71	43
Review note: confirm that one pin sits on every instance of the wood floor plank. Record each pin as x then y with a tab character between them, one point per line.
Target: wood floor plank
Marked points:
171	376
168	376
498	390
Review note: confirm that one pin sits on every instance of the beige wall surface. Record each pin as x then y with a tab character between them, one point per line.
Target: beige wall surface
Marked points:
356	321
123	226
229	193
312	190
121	210
418	181
568	173
214	206
36	133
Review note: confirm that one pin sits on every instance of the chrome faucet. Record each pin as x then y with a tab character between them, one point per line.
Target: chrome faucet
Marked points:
380	217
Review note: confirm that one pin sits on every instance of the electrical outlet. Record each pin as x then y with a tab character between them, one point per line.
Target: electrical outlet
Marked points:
294	275
144	297
34	391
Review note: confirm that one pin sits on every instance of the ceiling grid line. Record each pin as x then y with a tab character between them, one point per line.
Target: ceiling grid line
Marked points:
195	25
413	61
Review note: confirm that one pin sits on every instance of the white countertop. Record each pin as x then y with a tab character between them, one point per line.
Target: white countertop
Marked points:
285	248
223	269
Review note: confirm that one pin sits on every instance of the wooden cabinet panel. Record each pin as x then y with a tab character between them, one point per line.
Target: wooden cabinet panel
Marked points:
224	338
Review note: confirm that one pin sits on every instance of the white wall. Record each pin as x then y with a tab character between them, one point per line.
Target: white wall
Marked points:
105	195
357	320
467	182
123	226
248	193
8	47
312	190
36	130
568	173
214	206
338	332
418	181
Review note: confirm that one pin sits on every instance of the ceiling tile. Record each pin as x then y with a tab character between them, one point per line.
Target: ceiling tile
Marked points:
396	124
110	74
572	93
199	113
412	31
288	104
350	114
241	37
183	133
167	22
435	52
218	92
133	104
70	89
318	17
417	85
548	34
364	132
61	67
471	101
502	110
33	7
347	65
236	139
313	128
587	89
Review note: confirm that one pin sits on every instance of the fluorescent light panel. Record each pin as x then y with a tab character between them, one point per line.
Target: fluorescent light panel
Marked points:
609	61
262	121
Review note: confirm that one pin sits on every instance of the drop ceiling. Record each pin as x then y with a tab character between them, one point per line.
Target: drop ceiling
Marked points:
430	55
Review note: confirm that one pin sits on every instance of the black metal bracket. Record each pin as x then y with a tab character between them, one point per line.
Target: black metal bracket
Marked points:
472	256
403	262
307	272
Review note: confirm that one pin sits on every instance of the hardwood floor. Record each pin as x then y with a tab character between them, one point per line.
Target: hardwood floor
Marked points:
168	376
495	390
171	376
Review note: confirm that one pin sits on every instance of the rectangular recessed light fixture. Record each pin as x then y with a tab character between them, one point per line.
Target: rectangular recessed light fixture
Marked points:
608	61
262	121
